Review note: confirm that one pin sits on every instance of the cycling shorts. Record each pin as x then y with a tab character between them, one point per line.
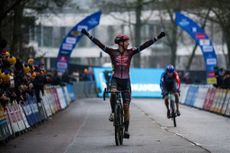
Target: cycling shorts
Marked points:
169	87
122	85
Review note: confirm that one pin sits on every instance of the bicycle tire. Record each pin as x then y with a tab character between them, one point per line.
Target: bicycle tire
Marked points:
172	105
117	124
121	126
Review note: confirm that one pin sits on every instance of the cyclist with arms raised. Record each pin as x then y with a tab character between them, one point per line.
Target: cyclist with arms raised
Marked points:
170	82
121	60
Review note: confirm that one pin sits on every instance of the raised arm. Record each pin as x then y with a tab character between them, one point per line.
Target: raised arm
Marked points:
149	43
95	40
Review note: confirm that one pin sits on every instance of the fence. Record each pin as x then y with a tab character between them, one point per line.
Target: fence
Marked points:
207	98
16	118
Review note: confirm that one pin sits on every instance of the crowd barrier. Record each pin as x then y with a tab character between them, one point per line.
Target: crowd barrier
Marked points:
17	118
207	98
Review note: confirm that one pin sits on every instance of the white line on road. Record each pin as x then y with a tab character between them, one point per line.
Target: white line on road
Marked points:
168	130
78	130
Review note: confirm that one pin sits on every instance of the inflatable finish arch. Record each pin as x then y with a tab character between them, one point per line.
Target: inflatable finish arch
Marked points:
205	44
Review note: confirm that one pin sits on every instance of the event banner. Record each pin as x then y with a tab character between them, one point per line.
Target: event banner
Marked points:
201	38
145	82
72	38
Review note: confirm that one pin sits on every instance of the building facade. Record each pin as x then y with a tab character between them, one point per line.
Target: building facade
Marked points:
51	29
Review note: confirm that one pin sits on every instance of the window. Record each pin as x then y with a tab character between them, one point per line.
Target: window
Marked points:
110	32
47	36
38	35
151	31
56	37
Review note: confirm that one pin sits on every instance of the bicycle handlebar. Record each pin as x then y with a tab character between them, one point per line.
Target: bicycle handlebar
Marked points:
117	91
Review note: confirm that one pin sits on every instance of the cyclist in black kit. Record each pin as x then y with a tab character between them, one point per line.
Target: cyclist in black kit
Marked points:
121	59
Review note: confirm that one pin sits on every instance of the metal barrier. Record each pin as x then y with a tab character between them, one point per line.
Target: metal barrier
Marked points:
191	95
226	105
207	98
4	129
15	118
200	97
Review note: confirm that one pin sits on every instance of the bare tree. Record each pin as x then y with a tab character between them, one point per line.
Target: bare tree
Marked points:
221	11
6	8
12	20
195	47
170	7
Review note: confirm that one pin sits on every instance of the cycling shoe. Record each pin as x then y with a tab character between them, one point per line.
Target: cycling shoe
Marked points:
168	114
111	117
178	113
126	135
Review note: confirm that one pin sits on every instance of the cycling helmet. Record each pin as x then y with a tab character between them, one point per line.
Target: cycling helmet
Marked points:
170	68
120	38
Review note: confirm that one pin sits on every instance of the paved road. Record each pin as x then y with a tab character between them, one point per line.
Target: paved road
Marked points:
84	128
202	128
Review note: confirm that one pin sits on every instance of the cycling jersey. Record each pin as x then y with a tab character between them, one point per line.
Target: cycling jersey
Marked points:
121	60
168	83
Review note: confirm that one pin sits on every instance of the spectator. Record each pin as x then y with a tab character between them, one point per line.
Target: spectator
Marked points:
90	74
3	97
187	79
38	83
180	74
5	63
30	63
219	76
65	77
19	92
85	75
55	79
18	80
226	80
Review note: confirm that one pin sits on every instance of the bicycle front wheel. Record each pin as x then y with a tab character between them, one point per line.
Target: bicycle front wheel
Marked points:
118	124
173	113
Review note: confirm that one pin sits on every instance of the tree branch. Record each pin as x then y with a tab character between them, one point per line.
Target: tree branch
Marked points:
18	2
194	48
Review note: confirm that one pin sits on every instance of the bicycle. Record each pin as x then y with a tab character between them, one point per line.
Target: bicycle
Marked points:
118	121
172	104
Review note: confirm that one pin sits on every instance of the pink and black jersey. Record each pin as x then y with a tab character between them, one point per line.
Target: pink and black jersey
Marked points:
121	60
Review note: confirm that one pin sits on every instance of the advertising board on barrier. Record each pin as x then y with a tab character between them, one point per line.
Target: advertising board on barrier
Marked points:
70	90
16	117
144	82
